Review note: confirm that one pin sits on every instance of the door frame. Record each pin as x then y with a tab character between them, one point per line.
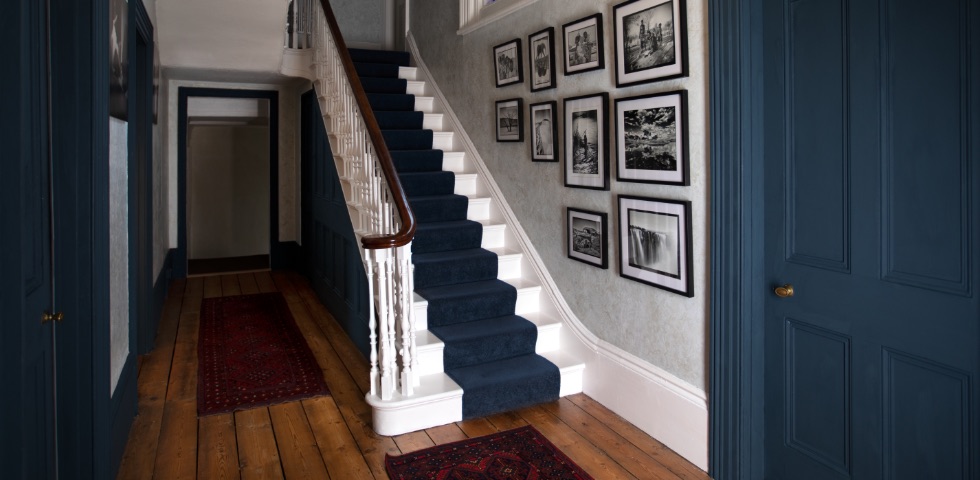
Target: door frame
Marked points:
737	276
277	251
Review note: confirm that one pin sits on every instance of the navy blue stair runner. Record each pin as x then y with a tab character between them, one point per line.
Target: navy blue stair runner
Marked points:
489	350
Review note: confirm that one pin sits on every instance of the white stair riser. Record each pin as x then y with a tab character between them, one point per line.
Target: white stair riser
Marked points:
415	88
571	382
528	300
424	104
430	359
494	236
509	266
408	73
454	162
432	121
479	209
465	184
442	140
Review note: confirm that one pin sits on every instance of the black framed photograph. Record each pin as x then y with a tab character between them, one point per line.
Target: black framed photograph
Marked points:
510	122
582	45
544	131
541	52
507	63
651	139
587	237
118	63
655	243
586	145
651	40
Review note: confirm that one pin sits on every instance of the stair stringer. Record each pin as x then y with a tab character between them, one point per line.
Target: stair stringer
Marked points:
683	425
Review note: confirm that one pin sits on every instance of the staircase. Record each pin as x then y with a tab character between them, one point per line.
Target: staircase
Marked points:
483	344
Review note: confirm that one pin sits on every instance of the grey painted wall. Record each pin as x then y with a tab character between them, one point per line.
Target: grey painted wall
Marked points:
118	248
361	21
665	329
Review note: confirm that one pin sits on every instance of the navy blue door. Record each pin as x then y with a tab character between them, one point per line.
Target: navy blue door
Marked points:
25	262
872	134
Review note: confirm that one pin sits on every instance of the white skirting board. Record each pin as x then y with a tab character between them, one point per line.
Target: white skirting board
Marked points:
662	405
665	407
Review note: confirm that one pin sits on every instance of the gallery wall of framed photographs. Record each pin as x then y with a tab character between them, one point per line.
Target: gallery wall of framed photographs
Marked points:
639	130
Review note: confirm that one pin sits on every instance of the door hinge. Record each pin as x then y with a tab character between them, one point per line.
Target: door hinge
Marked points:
48	317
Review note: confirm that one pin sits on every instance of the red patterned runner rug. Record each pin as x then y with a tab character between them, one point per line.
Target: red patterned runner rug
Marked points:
522	453
251	353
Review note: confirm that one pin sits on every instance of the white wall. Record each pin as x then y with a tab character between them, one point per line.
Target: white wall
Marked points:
663	328
228	191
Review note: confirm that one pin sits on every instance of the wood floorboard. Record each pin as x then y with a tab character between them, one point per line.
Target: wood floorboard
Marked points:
217	448
331	436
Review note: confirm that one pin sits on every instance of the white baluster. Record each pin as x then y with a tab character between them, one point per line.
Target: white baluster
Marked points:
372	324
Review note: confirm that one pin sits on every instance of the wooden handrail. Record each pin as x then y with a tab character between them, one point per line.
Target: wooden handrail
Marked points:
407	231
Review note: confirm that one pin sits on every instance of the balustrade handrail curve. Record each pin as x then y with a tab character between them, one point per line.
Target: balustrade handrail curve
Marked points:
407	231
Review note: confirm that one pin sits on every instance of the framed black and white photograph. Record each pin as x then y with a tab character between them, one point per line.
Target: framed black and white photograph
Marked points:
651	41
544	131
118	64
586	145
582	45
587	237
507	63
655	243
510	123
541	50
651	139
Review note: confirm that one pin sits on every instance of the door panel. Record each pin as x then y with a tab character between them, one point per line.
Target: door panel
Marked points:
332	256
817	222
871	366
926	154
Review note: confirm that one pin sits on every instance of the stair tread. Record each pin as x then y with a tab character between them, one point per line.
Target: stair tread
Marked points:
452	255
501	371
483	328
363	55
462	290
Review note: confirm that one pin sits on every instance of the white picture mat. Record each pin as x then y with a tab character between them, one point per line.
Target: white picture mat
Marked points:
622	107
581	256
583	105
627	204
665	71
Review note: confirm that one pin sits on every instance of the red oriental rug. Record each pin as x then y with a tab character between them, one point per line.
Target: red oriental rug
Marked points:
251	353
522	453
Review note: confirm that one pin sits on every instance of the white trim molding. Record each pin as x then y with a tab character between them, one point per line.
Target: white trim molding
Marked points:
474	14
662	405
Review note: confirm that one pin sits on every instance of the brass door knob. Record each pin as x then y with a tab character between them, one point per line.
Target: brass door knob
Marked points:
52	317
785	291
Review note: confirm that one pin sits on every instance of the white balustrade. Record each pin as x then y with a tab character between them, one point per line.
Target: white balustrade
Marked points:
373	212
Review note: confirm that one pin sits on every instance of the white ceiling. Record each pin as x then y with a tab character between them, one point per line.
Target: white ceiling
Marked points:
228	35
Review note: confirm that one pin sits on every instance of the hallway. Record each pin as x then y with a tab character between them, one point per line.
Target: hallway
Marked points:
330	436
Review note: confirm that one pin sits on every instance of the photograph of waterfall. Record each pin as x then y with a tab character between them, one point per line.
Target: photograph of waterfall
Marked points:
655	243
586	237
651	136
586	146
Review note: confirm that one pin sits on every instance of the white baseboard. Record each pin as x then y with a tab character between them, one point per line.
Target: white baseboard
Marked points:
662	405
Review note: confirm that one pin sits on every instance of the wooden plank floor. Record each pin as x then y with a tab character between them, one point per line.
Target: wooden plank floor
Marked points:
331	436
